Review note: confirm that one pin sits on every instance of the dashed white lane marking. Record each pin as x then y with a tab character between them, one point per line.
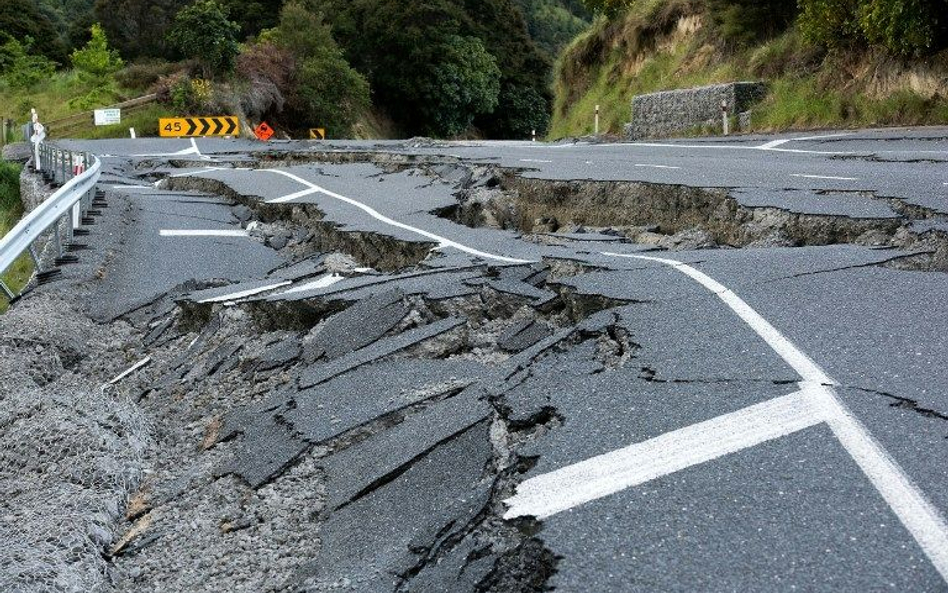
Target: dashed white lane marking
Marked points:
293	196
322	282
442	241
203	233
829	177
674	451
917	514
235	296
534	161
656	166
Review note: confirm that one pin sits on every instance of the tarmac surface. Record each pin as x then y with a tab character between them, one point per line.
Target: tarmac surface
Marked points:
500	408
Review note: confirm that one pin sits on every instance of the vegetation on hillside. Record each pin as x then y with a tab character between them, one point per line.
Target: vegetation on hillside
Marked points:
434	67
828	62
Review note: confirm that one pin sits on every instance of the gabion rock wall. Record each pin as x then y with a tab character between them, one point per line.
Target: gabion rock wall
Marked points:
671	112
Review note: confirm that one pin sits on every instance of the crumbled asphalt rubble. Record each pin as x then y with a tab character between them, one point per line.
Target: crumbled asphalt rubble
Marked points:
361	439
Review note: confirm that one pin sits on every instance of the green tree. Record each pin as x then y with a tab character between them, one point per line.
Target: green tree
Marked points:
21	19
203	32
325	90
96	61
20	68
463	84
139	28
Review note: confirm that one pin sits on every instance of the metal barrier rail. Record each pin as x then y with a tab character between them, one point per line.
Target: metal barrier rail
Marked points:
77	175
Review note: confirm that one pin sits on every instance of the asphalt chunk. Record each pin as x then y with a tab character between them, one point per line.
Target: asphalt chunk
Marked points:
320	373
367	544
357	470
358	326
354	399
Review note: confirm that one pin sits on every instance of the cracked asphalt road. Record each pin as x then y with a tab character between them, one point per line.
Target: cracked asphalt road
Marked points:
331	339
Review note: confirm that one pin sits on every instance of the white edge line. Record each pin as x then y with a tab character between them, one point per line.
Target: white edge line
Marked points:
203	233
830	177
244	293
657	166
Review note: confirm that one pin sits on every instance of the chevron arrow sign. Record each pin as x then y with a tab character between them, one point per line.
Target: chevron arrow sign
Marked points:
188	127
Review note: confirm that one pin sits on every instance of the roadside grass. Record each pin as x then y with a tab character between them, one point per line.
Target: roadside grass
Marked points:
143	119
11	210
808	89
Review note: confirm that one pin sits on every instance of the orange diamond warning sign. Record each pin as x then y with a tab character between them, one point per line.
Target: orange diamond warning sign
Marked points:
263	132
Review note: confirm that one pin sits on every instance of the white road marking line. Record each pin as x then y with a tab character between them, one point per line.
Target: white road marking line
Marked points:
322	282
244	293
657	166
696	146
773	144
534	161
674	451
442	241
203	233
131	370
120	186
905	499
202	170
294	196
830	177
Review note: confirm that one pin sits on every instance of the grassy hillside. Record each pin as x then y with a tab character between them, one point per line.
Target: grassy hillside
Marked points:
670	44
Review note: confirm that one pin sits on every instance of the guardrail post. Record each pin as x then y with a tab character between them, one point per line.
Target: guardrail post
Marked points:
36	259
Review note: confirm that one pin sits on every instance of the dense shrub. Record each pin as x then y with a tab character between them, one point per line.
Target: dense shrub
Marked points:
904	27
203	32
144	75
269	71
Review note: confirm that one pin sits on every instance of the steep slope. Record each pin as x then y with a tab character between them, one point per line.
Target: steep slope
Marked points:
670	44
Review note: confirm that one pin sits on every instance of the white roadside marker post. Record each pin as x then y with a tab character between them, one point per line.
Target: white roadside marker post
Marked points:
727	123
39	134
596	125
131	132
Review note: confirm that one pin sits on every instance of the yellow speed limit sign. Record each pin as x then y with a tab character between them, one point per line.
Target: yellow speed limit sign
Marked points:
187	127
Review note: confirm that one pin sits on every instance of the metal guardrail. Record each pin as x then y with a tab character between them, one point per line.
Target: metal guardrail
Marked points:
76	174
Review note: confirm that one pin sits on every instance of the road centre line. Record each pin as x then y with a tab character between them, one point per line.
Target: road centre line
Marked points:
534	161
905	499
203	233
829	177
573	485
442	241
234	296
